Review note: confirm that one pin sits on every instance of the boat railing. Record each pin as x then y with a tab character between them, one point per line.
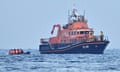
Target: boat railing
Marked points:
78	40
95	38
106	38
44	40
101	38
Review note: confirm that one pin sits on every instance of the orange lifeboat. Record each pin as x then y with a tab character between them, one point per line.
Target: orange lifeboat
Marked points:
74	37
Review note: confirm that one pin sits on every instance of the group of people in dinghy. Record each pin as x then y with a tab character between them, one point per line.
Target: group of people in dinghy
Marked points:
17	51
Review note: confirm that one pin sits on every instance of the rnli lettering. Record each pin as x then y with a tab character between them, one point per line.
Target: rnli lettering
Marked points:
86	46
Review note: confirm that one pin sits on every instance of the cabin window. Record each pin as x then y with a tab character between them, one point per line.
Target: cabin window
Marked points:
70	33
77	32
74	33
81	32
86	32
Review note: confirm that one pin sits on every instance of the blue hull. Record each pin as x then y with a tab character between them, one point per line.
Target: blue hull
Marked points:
72	48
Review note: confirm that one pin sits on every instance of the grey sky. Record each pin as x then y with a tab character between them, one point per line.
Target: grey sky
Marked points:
24	22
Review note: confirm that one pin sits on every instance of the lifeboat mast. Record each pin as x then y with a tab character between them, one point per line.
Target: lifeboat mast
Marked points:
74	17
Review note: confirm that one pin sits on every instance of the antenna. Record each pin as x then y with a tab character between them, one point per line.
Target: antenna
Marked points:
68	16
74	5
84	13
68	12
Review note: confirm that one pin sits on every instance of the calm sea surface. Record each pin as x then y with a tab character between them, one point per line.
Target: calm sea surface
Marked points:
107	62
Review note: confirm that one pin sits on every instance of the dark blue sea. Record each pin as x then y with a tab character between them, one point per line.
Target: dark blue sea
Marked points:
35	62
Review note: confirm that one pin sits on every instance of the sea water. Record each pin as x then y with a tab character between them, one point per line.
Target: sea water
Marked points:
36	62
